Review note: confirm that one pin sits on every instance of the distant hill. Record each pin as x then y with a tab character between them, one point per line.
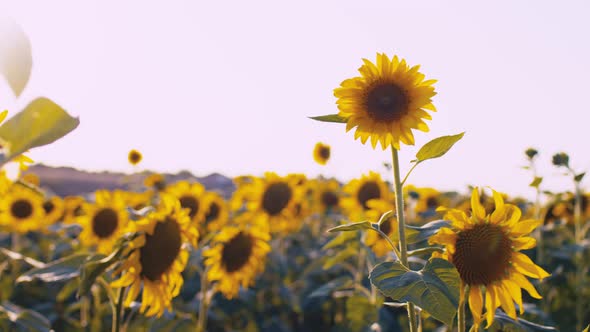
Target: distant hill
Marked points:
65	181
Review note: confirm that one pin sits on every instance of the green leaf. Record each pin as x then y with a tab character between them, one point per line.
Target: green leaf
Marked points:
579	177
61	269
329	118
341	239
435	288
16	58
26	319
360	313
15	256
503	322
416	234
437	147
40	123
536	182
331	286
352	227
340	257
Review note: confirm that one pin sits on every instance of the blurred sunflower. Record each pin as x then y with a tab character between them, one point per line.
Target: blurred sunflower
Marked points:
426	201
374	240
321	153
236	257
216	211
190	196
485	250
134	157
158	257
275	198
73	208
137	200
31	178
326	196
21	210
386	102
104	221
359	191
54	209
155	181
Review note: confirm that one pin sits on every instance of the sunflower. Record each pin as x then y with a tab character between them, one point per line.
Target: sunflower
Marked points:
190	196
73	208
158	257
321	153
374	240
326	196
104	221
21	210
273	197
134	157
137	200
386	102
216	211
31	178
155	181
236	257
425	201
360	191
54	209
485	250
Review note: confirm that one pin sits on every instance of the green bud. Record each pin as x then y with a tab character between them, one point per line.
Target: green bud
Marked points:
531	153
561	159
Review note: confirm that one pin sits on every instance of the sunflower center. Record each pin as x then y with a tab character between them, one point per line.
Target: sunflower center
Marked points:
432	203
276	197
369	190
325	153
134	157
160	249
482	254
105	222
385	227
386	102
21	209
236	252
190	203
48	207
329	199
213	212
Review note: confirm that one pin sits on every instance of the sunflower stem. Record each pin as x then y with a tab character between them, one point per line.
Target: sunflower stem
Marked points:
118	310
391	244
461	321
204	305
578	258
399	208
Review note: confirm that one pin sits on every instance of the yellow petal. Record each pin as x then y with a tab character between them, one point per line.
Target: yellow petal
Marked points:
506	301
524	283
475	304
523	243
523	264
524	227
515	292
476	207
491	304
500	212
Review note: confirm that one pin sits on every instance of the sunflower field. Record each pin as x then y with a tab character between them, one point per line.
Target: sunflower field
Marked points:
287	252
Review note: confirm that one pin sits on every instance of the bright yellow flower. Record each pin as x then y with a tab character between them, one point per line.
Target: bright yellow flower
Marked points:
485	250
326	196
21	210
190	196
358	193
321	153
158	257
216	212
386	102
374	240
54	209
236	257
134	157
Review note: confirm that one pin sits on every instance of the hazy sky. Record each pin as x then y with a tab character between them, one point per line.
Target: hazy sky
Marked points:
219	86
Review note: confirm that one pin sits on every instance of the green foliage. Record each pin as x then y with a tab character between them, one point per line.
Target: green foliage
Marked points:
59	270
536	182
352	227
435	288
438	147
503	322
335	118
23	319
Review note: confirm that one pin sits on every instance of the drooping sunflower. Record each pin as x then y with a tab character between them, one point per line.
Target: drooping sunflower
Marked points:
104	221
236	257
321	153
275	198
158	257
21	210
386	102
485	250
375	241
134	157
326	196
216	211
54	209
359	191
190	196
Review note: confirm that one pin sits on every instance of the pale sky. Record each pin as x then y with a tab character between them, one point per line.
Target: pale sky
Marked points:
219	86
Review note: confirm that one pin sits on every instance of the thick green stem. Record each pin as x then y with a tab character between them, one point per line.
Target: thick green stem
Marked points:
399	208
118	310
204	306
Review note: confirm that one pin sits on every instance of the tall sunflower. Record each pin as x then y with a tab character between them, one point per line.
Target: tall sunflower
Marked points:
104	221
190	196
321	153
375	241
21	210
236	257
158	257
485	250
273	197
359	191
386	102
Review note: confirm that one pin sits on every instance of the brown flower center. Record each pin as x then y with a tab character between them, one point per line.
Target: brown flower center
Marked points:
134	157
369	190
21	209
482	254
325	152
236	252
190	203
160	249
48	206
386	102
432	203
276	197
213	212
385	227
330	199
105	222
